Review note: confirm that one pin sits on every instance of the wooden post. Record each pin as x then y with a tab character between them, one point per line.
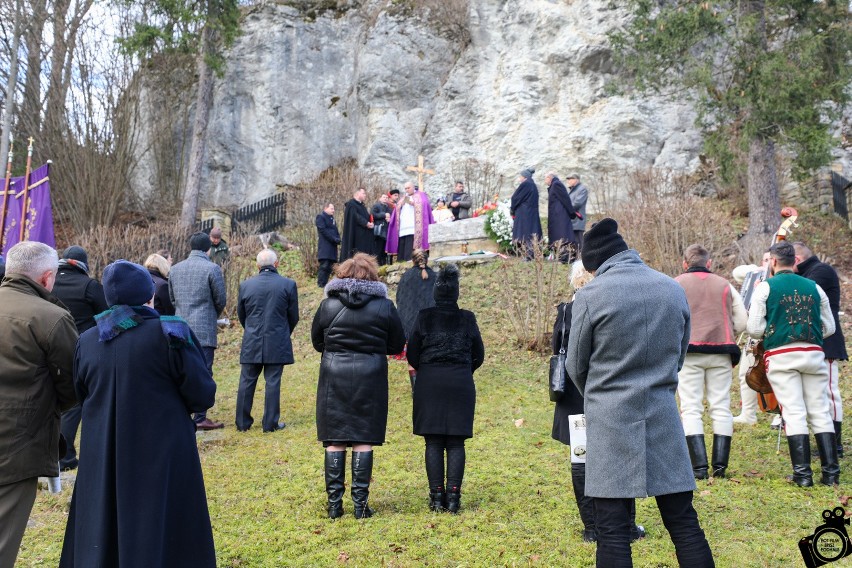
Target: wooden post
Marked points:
26	191
6	193
420	170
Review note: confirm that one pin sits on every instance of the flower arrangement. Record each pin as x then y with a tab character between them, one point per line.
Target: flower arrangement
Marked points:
498	224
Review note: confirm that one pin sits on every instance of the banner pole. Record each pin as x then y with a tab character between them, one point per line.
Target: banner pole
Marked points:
26	191
6	193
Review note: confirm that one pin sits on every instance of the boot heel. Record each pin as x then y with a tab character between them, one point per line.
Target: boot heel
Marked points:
454	500
436	499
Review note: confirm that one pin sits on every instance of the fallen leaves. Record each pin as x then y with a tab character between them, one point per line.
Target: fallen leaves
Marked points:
519	423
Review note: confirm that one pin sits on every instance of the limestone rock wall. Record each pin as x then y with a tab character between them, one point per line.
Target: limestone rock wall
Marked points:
299	95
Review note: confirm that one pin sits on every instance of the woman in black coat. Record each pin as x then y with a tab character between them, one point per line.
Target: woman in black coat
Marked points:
139	498
355	328
524	208
158	267
572	403
445	347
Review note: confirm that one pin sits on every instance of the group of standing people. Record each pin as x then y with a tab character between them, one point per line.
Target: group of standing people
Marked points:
355	328
566	214
394	227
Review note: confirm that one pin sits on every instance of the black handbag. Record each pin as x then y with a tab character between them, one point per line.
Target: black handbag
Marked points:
558	375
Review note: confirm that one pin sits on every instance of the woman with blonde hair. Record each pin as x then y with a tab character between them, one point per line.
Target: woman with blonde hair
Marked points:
158	266
355	328
572	403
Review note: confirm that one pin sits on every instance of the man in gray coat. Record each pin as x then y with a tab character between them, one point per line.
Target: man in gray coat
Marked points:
629	336
579	195
197	291
268	308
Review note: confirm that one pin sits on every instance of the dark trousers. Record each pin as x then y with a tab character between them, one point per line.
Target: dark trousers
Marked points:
68	426
208	353
579	236
272	400
406	247
381	255
612	521
16	503
324	272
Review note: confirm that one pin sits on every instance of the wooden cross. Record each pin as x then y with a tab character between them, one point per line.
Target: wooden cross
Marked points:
420	171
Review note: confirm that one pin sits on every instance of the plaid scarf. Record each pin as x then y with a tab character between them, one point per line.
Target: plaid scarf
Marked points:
121	318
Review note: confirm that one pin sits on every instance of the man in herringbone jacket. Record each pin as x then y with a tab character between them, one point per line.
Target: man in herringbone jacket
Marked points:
197	290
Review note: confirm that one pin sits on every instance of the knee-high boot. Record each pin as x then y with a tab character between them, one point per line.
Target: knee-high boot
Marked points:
697	455
335	475
838	428
584	504
800	456
827	447
362	471
721	454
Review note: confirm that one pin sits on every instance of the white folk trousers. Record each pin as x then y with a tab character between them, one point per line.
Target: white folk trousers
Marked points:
835	403
747	396
798	374
710	373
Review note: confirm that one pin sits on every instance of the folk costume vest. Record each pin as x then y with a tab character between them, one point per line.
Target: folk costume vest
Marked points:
711	308
792	311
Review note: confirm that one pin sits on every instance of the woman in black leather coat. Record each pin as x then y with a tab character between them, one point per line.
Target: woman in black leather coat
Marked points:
445	347
355	328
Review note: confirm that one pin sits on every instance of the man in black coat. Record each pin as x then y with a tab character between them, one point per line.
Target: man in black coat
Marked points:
524	208
329	238
381	212
560	213
834	346
84	298
357	227
268	308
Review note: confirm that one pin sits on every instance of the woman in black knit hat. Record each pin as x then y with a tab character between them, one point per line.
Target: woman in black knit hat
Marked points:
445	347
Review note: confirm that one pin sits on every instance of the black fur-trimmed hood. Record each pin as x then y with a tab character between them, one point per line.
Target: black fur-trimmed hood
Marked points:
355	293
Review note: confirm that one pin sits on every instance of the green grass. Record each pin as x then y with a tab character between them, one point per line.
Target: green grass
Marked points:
266	491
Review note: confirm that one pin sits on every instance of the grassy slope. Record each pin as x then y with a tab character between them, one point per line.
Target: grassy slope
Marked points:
266	491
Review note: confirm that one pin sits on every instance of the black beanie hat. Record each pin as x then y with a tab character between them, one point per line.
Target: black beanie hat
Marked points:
75	252
600	243
447	285
127	283
200	241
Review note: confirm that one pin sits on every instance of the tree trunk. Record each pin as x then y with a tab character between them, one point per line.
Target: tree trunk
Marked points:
29	118
204	101
764	204
11	89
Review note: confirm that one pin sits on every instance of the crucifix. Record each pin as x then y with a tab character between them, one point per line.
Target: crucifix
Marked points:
420	170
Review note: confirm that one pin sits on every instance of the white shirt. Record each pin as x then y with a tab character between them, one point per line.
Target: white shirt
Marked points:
406	220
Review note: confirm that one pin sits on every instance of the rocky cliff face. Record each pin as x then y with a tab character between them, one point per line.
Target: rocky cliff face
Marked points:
302	94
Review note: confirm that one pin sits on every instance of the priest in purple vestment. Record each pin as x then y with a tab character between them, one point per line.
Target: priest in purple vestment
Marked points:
408	228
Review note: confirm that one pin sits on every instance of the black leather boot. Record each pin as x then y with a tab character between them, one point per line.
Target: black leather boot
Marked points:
584	504
454	500
335	475
721	453
697	455
827	447
362	471
436	499
838	427
800	456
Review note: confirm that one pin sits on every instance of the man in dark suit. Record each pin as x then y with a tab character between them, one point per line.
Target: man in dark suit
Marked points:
834	346
84	298
268	308
329	238
357	227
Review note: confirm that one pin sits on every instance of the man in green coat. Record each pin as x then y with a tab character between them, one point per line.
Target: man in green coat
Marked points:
37	342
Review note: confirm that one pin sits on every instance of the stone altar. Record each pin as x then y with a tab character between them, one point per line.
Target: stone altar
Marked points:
447	239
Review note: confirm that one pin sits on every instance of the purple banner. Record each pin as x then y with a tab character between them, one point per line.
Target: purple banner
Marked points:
39	214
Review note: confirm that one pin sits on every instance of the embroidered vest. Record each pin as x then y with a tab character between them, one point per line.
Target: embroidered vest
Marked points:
711	313
792	311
